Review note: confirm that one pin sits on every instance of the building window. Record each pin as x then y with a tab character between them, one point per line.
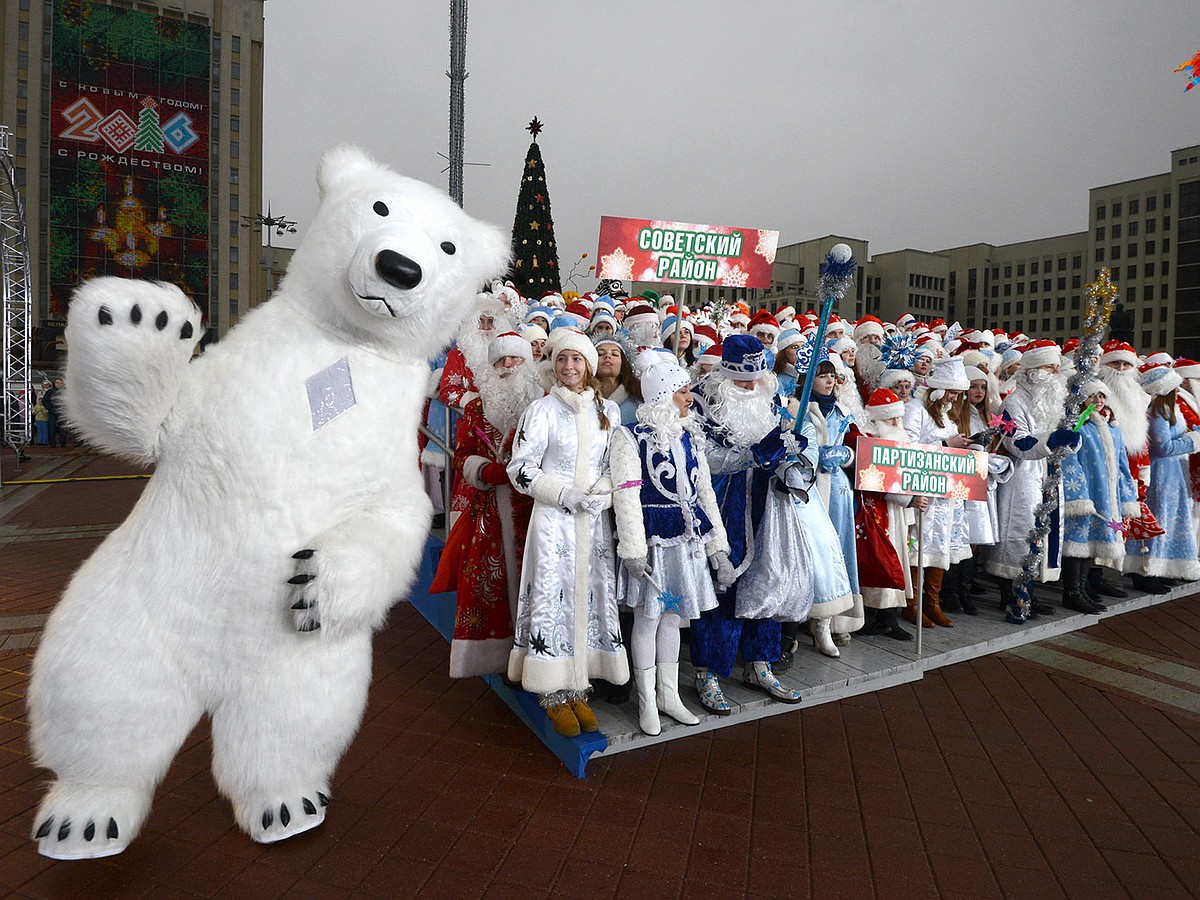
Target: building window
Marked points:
233	229
1101	212
1020	289
1163	315
1099	254
233	202
22	88
1162	338
1148	270
1033	267
1151	226
1008	271
1100	232
1151	203
1045	285
235	70
1020	307
234	150
1166	223
233	254
1060	304
1164	291
234	176
1146	338
1147	316
1133	207
1007	309
1166	245
1131	271
1149	248
233	281
235	44
1116	208
1130	295
1167	200
1060	323
1114	253
1061	284
1148	293
1133	229
235	97
1045	325
1077	261
995	293
1131	250
1165	265
1008	290
1116	231
1020	270
235	125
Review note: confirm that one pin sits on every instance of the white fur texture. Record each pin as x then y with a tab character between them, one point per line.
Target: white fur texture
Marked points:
186	608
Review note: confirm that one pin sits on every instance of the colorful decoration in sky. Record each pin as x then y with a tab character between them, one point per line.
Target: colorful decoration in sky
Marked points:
1192	67
657	250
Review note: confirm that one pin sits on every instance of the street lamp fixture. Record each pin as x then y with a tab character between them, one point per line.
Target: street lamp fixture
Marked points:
269	223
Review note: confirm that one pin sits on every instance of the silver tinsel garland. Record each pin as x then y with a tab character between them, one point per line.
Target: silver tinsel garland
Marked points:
1100	295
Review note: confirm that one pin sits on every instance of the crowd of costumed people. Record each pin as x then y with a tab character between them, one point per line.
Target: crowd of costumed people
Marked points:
626	470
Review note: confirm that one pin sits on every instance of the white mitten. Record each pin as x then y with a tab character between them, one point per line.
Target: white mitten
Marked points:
638	567
572	498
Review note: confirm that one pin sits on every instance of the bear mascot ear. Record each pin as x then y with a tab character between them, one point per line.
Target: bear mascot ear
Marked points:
342	162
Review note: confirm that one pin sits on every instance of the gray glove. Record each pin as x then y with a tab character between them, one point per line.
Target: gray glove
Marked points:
572	498
638	567
723	575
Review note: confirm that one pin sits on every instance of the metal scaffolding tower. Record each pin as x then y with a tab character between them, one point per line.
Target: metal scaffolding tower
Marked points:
17	302
457	75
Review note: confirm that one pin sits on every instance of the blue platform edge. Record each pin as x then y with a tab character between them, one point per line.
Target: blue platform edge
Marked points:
439	610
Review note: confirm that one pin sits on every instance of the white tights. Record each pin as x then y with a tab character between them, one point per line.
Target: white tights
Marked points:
654	640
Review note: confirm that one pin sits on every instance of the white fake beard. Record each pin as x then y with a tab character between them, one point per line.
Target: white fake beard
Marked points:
1129	404
885	431
1045	402
473	344
646	334
505	398
870	364
747	415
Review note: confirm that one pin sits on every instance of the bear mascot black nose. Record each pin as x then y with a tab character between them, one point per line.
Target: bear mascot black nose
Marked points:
397	270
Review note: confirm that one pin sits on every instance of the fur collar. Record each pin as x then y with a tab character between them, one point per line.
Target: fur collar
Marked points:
572	399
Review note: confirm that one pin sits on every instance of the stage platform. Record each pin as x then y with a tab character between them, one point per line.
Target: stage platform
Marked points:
866	664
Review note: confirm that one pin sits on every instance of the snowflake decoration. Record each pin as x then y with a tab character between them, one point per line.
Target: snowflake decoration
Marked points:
617	266
899	351
1075	482
768	243
538	643
960	491
871	479
735	277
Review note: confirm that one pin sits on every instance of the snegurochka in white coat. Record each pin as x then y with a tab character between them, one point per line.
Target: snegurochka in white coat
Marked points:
567	629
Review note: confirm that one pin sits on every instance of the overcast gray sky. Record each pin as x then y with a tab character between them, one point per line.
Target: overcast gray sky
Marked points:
909	124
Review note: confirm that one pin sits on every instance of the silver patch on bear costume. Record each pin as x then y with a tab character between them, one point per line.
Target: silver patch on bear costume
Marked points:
330	393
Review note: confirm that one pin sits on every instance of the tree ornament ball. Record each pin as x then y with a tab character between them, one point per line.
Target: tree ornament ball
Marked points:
841	253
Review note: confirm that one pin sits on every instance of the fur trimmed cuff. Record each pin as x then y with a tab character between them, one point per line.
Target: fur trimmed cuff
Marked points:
1079	508
604	487
547	489
717	543
1194	436
1132	509
472	467
467	398
431	456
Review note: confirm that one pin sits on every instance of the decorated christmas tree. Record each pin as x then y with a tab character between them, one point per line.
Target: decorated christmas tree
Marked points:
149	137
535	253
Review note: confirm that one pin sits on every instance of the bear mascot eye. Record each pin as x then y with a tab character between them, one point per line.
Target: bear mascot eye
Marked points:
448	248
380	208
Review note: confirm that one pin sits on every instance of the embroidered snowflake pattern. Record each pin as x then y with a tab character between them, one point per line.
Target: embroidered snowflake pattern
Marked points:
1075	482
617	266
768	243
562	551
871	479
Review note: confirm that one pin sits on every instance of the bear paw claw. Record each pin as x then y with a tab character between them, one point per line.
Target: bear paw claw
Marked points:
304	606
277	821
83	824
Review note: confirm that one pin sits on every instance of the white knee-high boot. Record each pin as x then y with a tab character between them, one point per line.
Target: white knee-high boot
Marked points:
647	708
668	695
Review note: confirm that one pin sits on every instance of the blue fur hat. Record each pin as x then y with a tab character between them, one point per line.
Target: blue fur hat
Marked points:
743	357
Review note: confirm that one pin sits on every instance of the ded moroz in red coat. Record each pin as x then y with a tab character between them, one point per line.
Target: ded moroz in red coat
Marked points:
483	552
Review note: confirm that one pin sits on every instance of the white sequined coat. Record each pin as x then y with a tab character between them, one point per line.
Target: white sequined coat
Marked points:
568	597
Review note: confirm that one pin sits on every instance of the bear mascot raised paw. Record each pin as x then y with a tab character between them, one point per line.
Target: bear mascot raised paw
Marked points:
285	516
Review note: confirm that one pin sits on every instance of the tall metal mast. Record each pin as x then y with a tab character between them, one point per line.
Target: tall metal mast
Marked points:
17	304
457	75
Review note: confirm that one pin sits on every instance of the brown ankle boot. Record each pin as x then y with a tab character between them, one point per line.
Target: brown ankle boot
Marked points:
931	602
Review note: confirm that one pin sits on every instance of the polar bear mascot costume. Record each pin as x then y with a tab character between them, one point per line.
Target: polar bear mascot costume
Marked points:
285	516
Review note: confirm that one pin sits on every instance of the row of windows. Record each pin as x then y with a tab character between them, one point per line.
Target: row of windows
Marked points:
1133	207
1115	232
924	301
1076	263
928	282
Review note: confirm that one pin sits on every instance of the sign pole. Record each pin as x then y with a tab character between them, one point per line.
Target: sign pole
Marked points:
919	588
679	320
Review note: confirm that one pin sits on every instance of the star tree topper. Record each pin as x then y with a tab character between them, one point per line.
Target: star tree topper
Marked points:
534	127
